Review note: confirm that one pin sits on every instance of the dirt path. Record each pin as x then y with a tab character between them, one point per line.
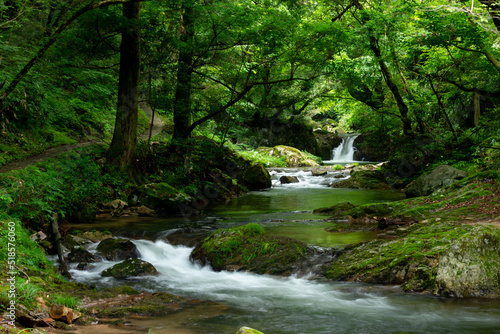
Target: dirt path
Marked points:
158	125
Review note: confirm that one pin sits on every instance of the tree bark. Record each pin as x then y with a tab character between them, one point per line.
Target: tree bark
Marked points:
494	10
182	100
122	151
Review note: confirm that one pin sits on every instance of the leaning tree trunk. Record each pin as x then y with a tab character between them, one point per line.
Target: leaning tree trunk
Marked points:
122	151
389	80
182	100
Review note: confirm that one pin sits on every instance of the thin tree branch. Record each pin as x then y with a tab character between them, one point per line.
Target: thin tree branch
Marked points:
339	16
51	39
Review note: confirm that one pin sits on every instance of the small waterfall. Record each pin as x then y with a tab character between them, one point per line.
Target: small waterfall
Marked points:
345	151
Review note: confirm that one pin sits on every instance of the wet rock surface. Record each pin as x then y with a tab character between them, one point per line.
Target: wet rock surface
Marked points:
439	178
130	268
118	249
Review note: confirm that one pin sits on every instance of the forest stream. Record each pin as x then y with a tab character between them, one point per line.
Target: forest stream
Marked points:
277	305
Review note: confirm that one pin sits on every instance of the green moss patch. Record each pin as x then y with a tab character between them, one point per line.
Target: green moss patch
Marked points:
365	179
474	199
248	248
415	260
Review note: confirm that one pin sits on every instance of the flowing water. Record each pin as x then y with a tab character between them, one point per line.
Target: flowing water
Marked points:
344	153
277	305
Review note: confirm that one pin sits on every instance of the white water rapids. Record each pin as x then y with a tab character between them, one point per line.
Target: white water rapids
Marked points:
295	305
305	178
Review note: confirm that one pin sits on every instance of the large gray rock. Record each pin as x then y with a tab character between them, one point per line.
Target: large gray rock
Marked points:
440	177
471	267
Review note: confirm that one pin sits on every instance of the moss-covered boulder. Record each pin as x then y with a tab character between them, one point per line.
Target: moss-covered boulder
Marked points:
223	186
248	248
439	178
337	210
364	179
471	268
161	197
255	177
130	268
285	179
80	254
118	249
447	259
294	157
319	172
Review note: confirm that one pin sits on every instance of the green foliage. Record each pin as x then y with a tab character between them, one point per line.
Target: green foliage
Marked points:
338	167
264	158
63	185
66	300
35	275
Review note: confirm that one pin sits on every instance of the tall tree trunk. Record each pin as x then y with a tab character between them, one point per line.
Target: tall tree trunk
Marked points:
182	100
122	151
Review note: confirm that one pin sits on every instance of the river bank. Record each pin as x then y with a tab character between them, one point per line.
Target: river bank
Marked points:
286	209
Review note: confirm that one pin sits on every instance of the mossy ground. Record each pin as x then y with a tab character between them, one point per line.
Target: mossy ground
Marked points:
436	225
476	198
412	259
365	179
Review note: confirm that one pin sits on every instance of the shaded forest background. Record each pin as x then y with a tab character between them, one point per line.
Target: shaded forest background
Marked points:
418	77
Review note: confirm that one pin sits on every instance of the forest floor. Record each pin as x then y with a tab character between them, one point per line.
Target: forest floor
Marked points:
158	125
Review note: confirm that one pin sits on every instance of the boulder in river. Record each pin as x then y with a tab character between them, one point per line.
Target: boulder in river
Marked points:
255	177
439	178
319	172
288	179
80	254
118	249
248	248
130	268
